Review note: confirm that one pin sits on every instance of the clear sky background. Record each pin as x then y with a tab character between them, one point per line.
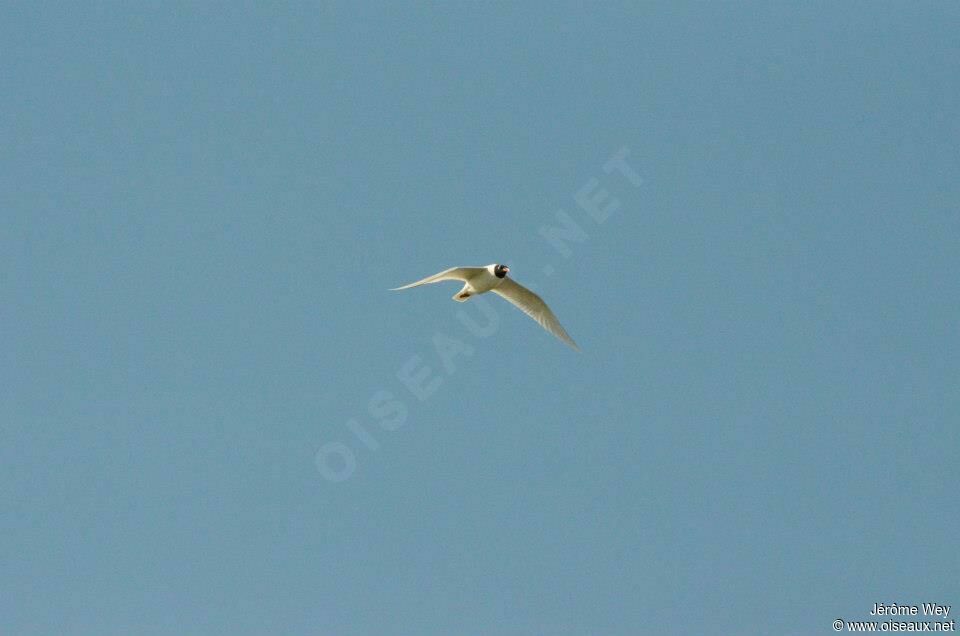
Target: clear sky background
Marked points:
204	204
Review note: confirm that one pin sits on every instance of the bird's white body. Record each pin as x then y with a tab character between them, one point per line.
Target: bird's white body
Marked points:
493	277
479	282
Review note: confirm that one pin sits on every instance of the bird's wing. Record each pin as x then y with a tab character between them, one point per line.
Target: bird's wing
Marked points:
454	273
532	305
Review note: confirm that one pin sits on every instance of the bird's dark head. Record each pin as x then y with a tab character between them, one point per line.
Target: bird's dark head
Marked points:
500	271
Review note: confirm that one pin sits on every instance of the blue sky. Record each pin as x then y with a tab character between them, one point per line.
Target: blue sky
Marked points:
204	205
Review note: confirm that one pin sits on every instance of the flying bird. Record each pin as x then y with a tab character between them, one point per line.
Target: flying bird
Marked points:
480	280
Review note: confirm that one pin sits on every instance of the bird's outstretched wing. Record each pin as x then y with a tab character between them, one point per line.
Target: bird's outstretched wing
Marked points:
532	305
454	273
